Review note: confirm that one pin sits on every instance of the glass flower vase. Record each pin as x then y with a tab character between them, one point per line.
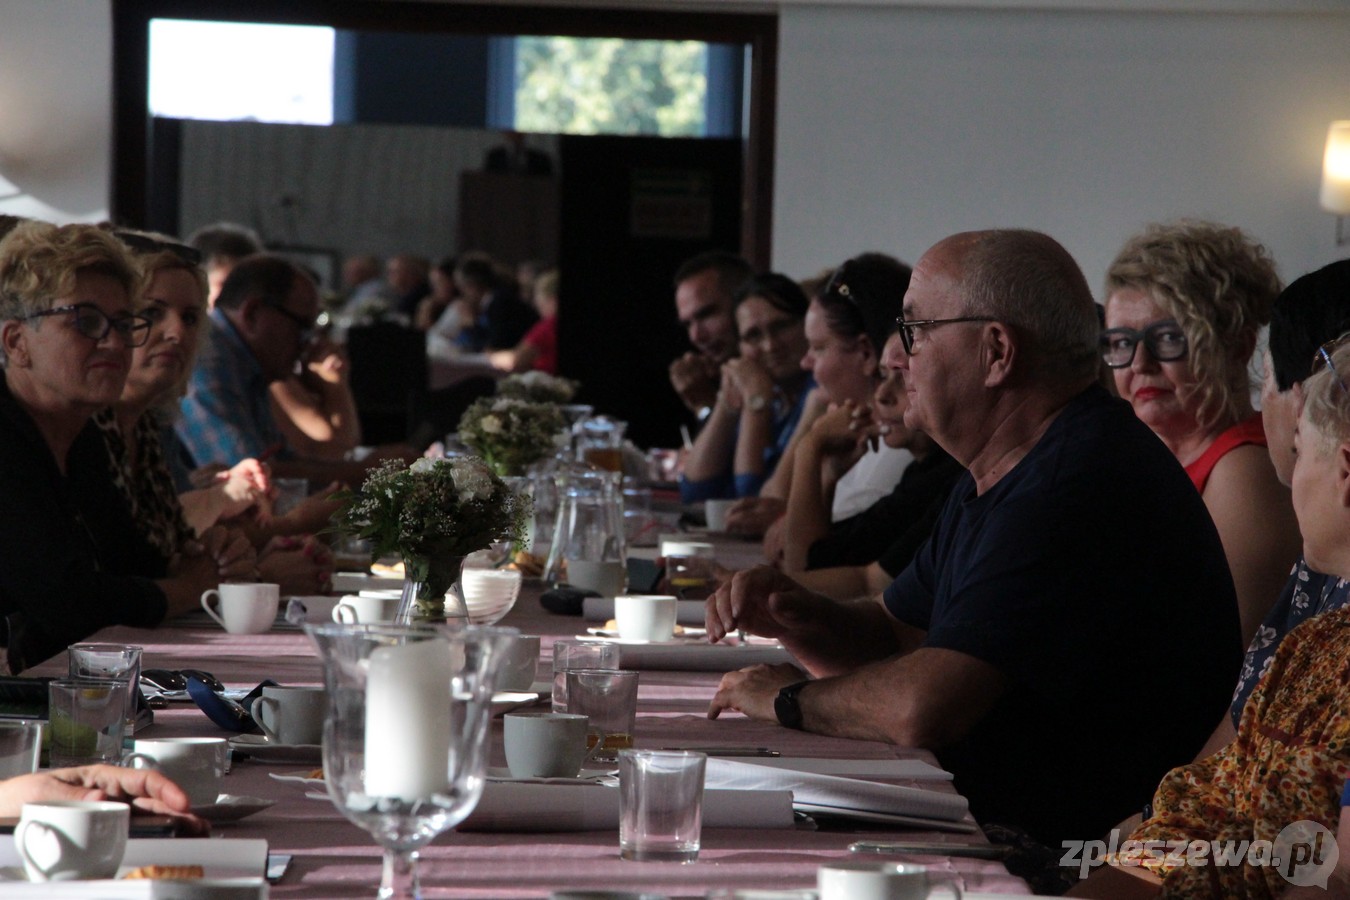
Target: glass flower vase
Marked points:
426	590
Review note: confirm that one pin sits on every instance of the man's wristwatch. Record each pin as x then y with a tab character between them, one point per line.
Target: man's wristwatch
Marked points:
787	707
757	403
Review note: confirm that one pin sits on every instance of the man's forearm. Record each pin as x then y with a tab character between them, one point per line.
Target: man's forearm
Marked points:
851	634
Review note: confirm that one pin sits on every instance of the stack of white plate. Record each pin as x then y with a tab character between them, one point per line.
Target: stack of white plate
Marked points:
489	593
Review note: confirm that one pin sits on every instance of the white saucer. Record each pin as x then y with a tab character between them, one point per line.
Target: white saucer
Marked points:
231	808
505	701
297	778
257	746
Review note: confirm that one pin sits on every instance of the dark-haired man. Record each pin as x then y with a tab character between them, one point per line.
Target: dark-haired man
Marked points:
705	290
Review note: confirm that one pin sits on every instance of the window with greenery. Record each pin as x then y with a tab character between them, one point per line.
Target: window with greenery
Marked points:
611	86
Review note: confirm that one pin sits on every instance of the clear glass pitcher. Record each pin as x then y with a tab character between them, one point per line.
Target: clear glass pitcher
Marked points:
588	549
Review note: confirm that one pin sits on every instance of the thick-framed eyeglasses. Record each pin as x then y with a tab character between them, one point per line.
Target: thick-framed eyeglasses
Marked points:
1165	342
305	326
1322	360
906	327
94	323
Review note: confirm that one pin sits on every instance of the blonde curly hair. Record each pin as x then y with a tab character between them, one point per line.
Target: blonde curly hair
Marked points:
1327	397
39	262
1220	286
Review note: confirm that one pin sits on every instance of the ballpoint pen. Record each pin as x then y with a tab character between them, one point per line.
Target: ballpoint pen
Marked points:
729	751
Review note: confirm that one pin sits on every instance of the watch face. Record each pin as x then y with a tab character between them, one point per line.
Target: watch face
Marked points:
758	403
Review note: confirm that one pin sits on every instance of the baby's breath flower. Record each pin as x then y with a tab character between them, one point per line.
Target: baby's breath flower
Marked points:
509	433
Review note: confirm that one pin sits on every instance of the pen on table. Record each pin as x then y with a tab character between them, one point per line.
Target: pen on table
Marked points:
729	751
976	851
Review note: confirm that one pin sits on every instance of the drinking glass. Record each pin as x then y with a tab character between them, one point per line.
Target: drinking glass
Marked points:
87	719
100	661
404	740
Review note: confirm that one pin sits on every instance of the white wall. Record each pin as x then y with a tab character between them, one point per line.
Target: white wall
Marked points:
900	124
897	126
55	108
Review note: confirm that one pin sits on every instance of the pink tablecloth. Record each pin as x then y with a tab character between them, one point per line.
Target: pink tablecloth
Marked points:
333	858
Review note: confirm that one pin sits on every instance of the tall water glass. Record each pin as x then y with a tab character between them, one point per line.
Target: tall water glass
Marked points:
404	740
100	661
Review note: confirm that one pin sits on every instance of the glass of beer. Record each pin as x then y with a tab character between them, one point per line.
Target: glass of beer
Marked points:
608	698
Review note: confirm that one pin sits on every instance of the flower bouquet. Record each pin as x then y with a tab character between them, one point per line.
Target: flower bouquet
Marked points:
510	434
432	514
537	387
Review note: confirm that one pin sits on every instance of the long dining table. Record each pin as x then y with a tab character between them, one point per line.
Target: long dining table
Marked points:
333	858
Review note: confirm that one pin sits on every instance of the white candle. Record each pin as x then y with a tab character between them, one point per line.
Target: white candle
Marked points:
408	720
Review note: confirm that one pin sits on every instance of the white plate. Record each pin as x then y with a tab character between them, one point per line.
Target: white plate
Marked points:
220	857
231	808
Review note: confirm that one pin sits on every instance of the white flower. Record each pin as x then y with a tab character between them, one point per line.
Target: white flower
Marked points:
422	466
490	424
474	482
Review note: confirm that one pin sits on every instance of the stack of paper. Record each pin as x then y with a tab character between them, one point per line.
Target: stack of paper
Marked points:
509	806
848	797
888	769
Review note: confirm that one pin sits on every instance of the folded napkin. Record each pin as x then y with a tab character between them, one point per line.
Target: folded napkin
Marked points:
526	807
700	656
890	769
601	609
837	795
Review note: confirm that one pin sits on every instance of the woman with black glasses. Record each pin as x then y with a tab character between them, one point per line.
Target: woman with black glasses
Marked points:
1184	305
71	560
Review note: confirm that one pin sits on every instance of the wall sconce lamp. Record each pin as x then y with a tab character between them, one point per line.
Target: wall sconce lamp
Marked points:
1336	176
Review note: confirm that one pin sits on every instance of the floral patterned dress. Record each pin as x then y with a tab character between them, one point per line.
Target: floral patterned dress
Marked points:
1288	763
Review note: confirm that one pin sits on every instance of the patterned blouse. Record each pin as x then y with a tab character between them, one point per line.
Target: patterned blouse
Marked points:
1306	594
145	482
1288	763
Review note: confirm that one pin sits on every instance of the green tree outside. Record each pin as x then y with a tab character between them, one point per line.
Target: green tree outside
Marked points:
610	86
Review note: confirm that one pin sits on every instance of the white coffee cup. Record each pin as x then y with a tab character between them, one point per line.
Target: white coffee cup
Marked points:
364	610
291	715
715	513
881	881
649	617
244	608
545	745
68	840
520	664
196	764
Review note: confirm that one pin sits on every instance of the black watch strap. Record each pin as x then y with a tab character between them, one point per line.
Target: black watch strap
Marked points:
787	707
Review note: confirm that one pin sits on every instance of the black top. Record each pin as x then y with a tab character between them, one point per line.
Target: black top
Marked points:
71	559
507	319
1092	577
890	531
